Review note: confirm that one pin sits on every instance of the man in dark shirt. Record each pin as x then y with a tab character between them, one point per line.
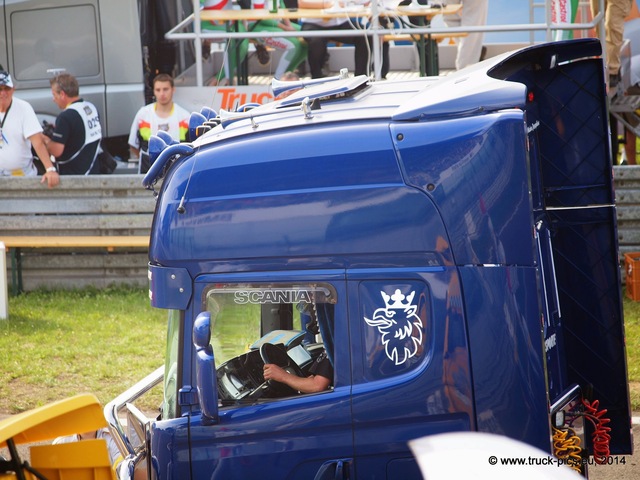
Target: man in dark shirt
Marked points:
320	378
76	137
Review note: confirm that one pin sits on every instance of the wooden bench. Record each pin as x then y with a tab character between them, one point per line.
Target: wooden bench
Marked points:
408	37
429	61
16	243
427	47
89	231
75	241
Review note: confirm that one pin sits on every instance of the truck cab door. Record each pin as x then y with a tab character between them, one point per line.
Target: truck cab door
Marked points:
410	368
259	429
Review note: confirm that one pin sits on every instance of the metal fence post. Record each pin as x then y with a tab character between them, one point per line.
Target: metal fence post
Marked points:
4	290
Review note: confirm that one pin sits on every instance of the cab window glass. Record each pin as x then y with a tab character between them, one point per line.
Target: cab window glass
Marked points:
172	354
395	327
298	319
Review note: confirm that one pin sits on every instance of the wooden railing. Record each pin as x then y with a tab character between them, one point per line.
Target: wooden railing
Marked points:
104	220
627	185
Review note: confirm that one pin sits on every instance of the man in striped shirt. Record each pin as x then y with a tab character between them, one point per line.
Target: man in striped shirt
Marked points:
163	114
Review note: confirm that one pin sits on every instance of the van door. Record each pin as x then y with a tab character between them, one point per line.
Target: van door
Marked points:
3	38
39	42
411	371
67	35
264	430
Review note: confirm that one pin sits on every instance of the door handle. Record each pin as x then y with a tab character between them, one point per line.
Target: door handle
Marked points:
334	470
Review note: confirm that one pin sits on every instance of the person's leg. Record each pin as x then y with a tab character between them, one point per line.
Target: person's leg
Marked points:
362	55
224	71
300	50
616	12
231	56
474	13
317	48
242	46
294	50
595	9
384	57
385	23
236	53
292	57
384	70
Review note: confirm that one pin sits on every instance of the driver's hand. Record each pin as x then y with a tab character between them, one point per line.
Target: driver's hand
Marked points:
273	372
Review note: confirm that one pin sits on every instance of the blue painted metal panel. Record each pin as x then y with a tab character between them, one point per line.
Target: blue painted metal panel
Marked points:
254	200
170	462
476	170
406	385
284	439
505	341
170	287
287	438
461	94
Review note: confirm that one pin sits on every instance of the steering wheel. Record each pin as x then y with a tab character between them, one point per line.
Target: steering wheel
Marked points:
277	355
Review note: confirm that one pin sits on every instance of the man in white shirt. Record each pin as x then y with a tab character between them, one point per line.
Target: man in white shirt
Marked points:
19	131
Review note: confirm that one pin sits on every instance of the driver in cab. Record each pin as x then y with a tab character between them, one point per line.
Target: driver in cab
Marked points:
319	380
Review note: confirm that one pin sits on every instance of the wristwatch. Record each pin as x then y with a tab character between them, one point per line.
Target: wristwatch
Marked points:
52	169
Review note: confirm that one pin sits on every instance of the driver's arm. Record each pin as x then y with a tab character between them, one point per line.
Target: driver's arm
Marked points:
310	384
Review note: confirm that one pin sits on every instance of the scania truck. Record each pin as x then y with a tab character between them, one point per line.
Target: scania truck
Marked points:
448	243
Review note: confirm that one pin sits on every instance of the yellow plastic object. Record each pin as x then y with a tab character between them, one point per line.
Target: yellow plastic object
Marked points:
78	414
84	460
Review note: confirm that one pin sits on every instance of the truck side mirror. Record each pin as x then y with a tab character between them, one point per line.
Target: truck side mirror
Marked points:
206	379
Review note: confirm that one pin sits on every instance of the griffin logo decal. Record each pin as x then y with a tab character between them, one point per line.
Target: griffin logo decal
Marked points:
399	325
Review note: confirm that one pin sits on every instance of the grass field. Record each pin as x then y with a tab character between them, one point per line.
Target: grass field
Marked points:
57	344
632	331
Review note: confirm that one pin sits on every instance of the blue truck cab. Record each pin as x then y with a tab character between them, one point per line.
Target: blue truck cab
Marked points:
447	244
